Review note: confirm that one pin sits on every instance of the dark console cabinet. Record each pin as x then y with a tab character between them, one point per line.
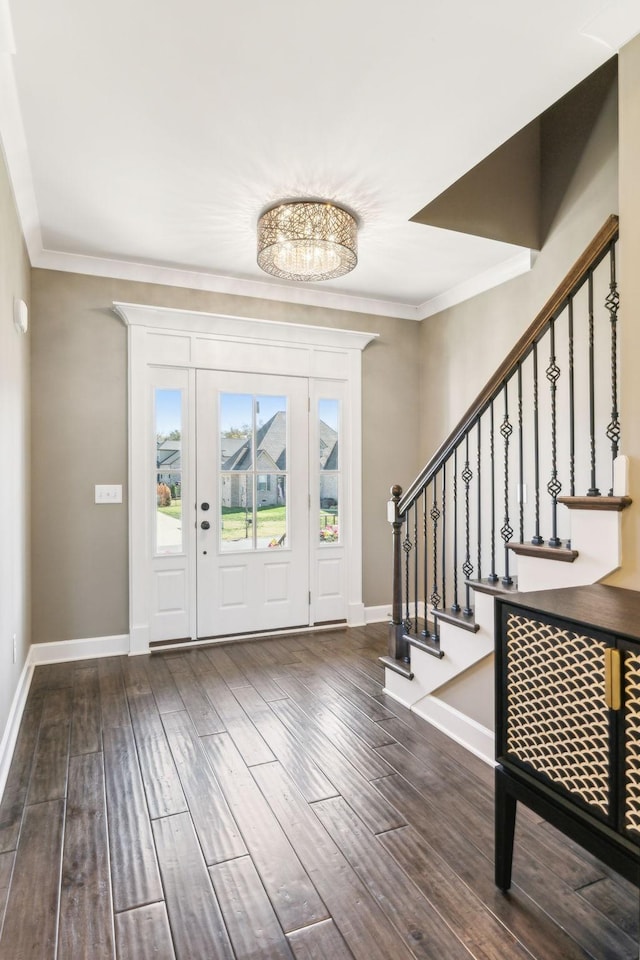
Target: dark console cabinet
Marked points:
568	720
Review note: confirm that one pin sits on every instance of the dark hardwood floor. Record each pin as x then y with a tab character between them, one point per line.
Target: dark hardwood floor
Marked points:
265	800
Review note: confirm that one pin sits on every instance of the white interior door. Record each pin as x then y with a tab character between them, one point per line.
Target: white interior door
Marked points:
252	503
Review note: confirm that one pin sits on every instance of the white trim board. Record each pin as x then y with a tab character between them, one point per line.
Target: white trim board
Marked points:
464	730
63	651
10	735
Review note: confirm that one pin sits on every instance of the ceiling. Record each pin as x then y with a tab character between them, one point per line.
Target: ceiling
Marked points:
144	139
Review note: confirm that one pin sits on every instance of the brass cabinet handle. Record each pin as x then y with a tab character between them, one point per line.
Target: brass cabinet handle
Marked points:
612	678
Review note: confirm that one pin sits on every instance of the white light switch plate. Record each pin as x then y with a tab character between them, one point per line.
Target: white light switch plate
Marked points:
108	493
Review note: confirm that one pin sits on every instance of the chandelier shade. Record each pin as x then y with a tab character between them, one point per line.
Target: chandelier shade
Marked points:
307	240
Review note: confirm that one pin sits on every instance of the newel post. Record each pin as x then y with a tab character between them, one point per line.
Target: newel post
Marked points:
398	647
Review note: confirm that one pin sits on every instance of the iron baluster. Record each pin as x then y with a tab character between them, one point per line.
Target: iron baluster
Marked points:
593	489
479	570
407	546
507	531
467	566
520	455
572	415
493	576
554	486
444	536
537	539
455	606
415	567
425	558
612	303
435	516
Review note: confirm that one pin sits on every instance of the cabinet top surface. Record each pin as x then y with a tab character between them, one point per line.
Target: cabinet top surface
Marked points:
610	609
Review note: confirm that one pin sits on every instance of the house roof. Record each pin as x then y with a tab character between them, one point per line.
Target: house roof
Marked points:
271	443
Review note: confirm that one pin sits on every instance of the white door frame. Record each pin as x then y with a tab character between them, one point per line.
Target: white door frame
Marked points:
164	338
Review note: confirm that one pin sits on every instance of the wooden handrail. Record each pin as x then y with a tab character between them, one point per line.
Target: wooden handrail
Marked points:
554	305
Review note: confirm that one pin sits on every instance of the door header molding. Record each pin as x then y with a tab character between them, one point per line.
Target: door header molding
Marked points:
240	328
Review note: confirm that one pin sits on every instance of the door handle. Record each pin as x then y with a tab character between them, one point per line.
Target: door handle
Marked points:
612	677
205	524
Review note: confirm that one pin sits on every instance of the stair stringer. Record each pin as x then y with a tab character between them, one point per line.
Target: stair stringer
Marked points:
596	535
462	649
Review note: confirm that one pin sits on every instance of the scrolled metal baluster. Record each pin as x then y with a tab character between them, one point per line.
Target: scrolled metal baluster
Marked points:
536	539
572	415
415	567
425	561
435	516
444	536
479	491
467	566
612	303
520	456
554	485
506	531
407	547
493	576
593	490
455	606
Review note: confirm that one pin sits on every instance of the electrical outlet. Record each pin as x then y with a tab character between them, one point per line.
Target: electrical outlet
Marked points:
15	648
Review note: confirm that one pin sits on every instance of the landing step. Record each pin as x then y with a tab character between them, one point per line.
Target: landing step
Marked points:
596	503
459	619
398	666
427	645
493	587
544	551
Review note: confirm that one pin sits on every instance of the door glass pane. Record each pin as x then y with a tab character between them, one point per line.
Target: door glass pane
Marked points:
271	433
329	469
236	431
328	411
253	510
168	471
236	511
271	512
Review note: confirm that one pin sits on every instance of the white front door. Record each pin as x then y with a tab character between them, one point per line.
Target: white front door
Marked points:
252	503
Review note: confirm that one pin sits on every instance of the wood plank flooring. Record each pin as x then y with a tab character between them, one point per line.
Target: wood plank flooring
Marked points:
266	801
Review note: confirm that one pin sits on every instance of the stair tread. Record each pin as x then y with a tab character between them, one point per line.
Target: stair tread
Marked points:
426	644
398	666
543	551
465	621
493	586
596	503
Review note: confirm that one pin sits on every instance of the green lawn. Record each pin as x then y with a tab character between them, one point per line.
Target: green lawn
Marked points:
272	521
237	523
175	510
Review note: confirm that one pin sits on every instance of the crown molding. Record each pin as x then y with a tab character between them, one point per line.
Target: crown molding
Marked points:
14	144
193	280
521	263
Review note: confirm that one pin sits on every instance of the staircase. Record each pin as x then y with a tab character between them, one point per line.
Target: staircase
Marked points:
512	500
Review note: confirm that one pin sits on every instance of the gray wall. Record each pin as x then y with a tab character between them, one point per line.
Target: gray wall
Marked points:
463	346
629	261
14	431
80	551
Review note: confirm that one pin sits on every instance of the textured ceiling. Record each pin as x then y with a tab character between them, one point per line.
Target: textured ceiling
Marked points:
144	139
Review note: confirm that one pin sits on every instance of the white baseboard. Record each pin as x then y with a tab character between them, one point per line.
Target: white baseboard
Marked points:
62	650
10	735
468	733
377	614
